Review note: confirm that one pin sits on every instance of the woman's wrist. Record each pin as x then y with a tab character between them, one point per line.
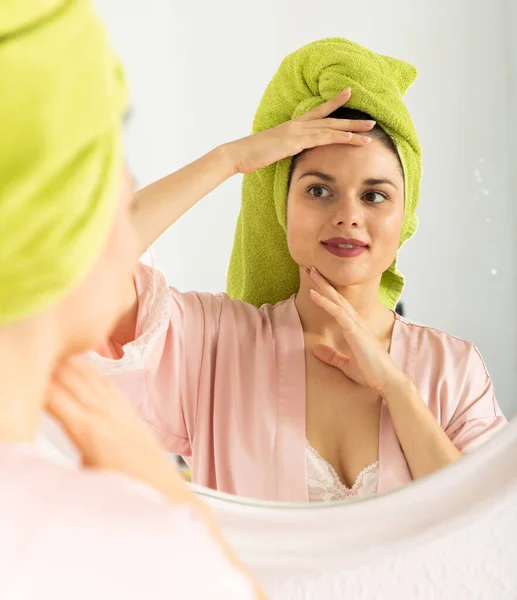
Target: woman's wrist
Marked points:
225	157
400	390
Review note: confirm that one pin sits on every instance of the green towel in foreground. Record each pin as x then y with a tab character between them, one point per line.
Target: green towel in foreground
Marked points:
61	161
261	269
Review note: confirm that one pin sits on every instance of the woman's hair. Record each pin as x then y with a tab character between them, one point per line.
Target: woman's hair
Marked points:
343	112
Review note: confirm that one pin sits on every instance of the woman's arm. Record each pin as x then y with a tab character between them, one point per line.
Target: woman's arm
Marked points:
160	204
425	444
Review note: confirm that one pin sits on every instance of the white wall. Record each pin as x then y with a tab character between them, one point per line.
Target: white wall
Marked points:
510	15
198	69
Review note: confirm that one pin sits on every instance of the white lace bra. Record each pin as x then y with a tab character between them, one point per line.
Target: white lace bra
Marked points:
324	484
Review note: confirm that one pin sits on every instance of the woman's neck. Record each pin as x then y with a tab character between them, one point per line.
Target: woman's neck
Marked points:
25	371
363	298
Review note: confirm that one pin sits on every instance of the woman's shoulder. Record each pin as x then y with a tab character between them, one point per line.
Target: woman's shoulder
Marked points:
237	321
35	489
432	343
151	282
205	317
431	334
226	310
432	356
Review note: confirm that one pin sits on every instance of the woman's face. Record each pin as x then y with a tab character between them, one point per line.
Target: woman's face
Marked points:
345	209
92	309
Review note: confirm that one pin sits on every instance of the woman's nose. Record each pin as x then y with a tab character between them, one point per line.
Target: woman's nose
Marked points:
348	214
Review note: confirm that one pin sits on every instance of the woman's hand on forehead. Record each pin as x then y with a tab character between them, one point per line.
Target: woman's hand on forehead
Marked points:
302	133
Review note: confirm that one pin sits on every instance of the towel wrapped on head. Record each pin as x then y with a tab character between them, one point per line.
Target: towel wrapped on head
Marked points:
61	158
261	269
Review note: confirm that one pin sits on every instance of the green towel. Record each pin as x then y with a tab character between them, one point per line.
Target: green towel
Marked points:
61	162
261	269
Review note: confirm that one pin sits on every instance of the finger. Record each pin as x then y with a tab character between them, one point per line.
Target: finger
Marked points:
334	310
331	356
71	415
355	125
85	369
329	291
327	137
81	381
328	107
323	286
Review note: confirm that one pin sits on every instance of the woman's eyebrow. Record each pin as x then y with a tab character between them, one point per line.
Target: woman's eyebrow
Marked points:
379	181
319	175
331	179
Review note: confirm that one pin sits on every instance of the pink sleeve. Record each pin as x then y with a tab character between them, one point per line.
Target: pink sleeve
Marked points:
477	417
160	370
82	535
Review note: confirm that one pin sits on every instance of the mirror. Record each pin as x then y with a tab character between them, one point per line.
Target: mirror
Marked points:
259	416
450	535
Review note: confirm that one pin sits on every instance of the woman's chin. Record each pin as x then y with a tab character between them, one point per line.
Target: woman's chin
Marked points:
344	276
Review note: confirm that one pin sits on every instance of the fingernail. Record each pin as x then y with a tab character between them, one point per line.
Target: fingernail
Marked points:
369	123
315	271
346	91
365	139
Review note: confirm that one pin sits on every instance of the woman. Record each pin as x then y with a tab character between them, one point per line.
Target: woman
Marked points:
328	393
66	232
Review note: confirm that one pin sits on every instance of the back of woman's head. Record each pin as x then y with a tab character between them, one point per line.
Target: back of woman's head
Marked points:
61	162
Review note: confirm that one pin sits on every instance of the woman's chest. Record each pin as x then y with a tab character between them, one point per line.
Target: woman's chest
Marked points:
342	420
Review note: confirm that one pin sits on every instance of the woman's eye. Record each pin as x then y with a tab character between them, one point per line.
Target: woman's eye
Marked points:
317	191
374	197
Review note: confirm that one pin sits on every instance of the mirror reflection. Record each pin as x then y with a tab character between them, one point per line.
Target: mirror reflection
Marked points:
354	350
296	337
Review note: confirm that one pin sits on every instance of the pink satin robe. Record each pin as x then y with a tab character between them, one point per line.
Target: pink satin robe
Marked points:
223	384
68	533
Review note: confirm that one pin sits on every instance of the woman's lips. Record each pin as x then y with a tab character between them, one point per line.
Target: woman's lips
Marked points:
345	248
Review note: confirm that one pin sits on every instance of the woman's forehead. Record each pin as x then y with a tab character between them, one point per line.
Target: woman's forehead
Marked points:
340	160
